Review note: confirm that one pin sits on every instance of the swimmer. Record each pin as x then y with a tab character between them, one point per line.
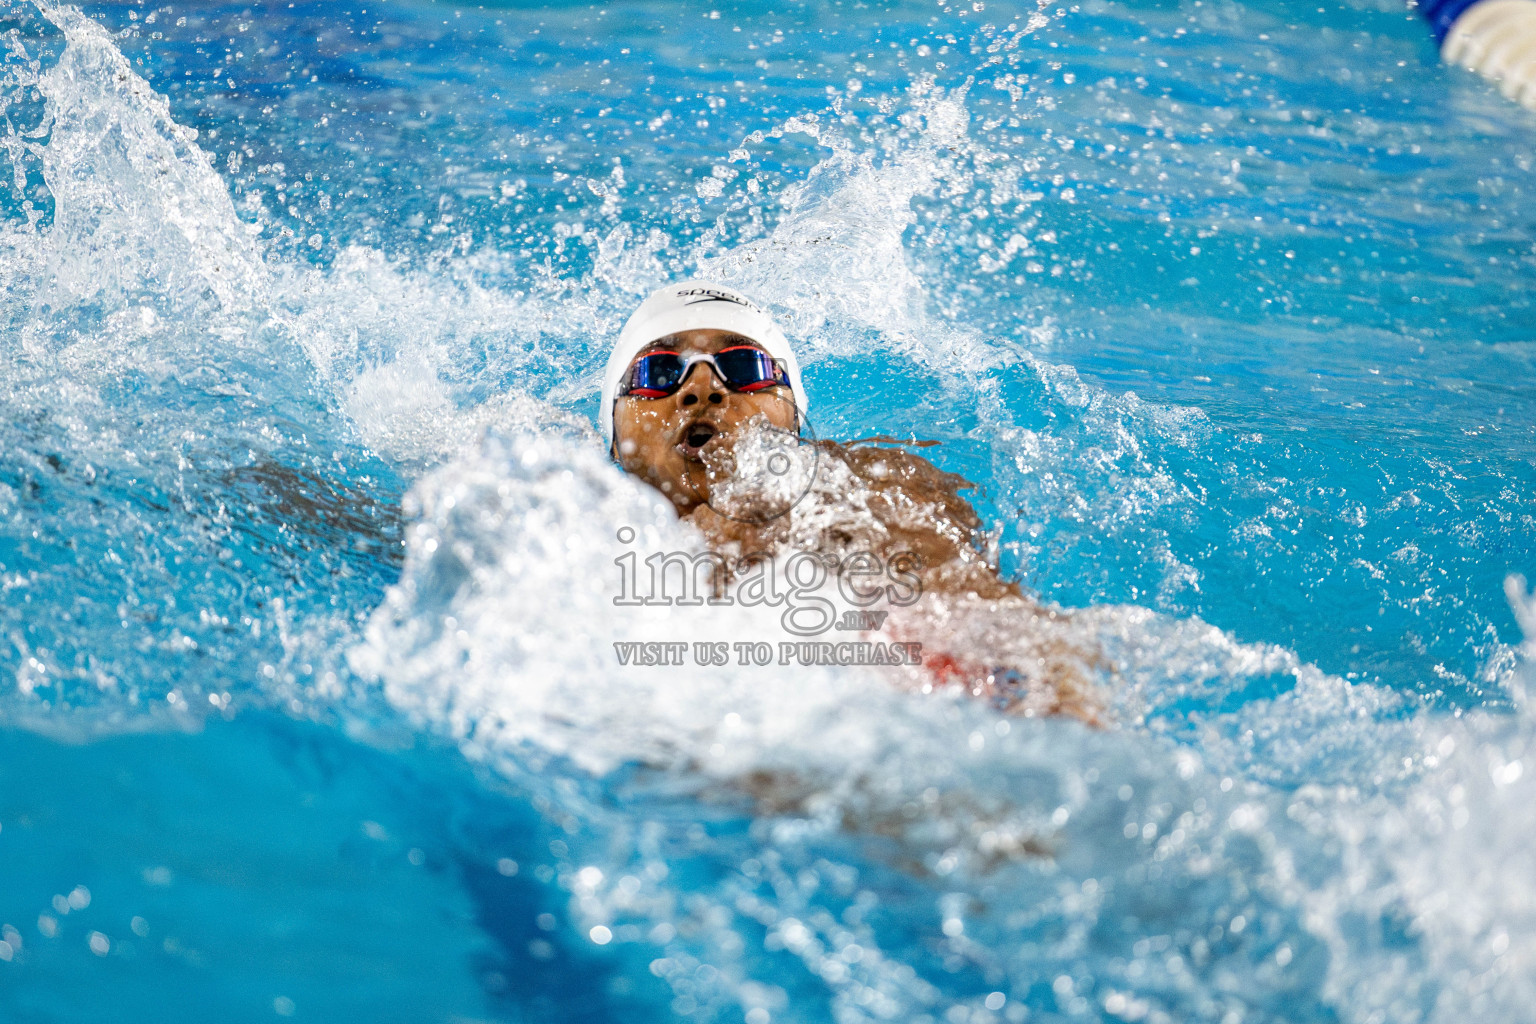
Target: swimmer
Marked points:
700	372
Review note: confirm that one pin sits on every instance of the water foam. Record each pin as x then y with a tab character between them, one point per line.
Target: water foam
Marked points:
499	635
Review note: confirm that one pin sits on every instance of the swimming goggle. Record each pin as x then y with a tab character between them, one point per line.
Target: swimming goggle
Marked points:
742	368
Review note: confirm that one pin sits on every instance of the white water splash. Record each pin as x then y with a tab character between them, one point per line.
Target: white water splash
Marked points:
180	243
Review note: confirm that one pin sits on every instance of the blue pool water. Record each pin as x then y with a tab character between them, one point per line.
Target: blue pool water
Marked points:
308	704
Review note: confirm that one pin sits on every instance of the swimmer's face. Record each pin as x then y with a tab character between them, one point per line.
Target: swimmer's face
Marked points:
663	440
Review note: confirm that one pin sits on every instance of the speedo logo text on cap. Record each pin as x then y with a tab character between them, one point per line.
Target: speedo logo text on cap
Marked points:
711	295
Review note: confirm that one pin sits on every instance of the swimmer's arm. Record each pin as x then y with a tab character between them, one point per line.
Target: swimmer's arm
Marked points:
922	507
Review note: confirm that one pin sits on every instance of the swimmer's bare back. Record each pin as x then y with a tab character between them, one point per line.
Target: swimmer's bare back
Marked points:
980	633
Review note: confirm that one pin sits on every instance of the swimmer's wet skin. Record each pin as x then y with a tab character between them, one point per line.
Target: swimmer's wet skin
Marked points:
699	367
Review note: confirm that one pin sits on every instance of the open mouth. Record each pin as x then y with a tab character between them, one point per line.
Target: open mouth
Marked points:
696	437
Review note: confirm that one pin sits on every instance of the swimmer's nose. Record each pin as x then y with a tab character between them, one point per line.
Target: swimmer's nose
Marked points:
702	383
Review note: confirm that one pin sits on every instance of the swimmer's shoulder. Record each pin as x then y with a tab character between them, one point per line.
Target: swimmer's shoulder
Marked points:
889	464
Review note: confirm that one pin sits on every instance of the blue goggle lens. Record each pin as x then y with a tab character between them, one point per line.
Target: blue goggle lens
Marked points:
743	368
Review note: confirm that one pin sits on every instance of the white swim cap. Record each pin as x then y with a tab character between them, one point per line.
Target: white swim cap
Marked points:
693	306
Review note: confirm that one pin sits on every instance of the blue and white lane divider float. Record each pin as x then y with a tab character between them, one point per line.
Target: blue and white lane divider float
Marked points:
1495	38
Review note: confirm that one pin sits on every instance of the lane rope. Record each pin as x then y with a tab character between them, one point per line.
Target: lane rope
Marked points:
1495	38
